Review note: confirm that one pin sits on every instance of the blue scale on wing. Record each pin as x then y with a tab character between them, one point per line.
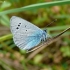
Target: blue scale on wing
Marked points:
34	42
27	42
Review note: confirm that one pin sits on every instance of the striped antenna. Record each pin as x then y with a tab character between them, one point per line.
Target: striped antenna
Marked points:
52	22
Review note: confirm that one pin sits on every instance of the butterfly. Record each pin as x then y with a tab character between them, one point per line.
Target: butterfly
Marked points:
25	34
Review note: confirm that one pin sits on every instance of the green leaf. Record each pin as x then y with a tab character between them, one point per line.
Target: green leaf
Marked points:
4	5
6	37
5	20
36	6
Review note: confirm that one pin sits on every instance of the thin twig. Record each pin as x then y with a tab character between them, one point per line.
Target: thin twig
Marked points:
45	44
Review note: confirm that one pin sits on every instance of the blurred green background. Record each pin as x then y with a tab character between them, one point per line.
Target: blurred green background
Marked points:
41	13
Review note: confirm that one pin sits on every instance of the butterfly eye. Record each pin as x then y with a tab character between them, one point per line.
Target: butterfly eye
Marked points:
26	30
45	31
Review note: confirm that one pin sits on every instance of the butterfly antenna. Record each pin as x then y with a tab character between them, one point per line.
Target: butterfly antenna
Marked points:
52	22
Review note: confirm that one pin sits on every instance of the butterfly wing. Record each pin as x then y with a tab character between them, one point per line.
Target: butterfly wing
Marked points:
25	34
26	42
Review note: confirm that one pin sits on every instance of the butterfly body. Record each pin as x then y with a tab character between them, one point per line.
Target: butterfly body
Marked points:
25	34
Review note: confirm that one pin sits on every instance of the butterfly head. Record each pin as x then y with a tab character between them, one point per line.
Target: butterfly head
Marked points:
45	35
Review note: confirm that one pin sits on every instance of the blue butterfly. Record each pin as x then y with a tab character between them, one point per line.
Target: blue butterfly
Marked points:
25	34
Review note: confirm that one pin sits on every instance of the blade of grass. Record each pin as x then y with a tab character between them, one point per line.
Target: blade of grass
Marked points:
65	34
6	37
35	6
5	20
56	28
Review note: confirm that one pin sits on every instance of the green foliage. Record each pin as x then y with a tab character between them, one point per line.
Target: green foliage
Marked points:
35	6
41	13
4	19
65	50
5	4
